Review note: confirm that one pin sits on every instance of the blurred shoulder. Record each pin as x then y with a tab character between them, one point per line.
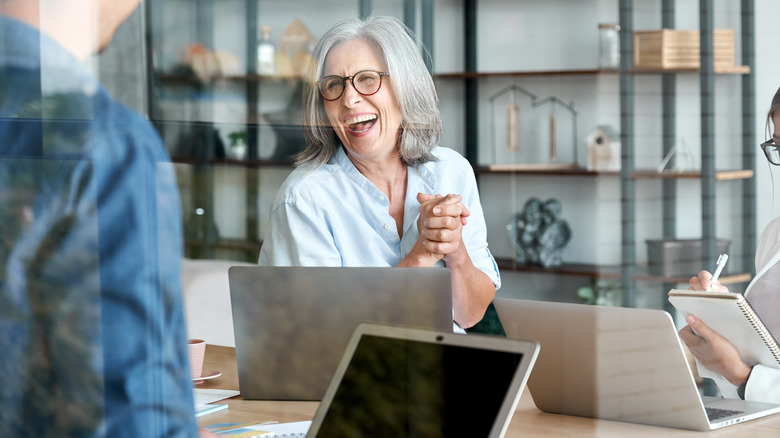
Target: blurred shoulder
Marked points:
308	183
768	244
449	160
444	153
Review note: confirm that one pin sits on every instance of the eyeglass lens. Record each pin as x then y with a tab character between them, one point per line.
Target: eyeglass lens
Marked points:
772	152
365	83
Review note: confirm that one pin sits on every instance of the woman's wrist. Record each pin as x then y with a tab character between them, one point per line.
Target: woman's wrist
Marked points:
743	386
419	257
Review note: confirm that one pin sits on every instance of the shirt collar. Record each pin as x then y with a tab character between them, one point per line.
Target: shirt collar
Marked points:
421	178
23	46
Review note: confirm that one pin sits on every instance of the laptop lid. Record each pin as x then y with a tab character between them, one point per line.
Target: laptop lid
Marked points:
401	382
291	324
614	363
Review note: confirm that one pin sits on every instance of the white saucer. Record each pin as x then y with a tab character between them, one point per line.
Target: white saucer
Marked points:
205	375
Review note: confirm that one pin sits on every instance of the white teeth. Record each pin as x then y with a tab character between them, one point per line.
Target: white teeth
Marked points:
358	119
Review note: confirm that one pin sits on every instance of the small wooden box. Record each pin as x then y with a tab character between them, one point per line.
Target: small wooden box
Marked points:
670	49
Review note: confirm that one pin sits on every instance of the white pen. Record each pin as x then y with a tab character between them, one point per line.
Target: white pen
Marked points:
722	259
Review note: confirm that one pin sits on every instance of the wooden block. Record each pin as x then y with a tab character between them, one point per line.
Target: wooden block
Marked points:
671	49
666	49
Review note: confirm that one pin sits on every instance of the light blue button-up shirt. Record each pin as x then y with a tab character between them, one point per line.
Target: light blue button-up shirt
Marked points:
335	216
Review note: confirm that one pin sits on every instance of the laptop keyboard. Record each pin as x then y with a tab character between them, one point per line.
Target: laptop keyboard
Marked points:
716	414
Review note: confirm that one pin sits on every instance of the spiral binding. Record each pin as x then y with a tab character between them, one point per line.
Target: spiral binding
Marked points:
759	327
289	435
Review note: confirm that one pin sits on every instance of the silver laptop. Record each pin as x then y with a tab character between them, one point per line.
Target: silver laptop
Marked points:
400	382
291	324
616	363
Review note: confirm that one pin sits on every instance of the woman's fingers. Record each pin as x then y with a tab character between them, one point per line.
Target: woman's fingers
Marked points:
704	280
439	205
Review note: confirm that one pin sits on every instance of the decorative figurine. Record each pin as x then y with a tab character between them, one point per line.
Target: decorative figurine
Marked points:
538	234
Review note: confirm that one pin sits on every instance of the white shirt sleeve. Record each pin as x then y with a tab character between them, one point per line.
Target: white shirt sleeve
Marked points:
763	385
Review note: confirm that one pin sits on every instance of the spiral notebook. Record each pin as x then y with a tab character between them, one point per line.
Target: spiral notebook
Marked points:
731	315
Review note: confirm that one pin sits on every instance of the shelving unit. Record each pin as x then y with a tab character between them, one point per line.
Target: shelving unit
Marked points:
601	271
708	174
201	166
628	271
540	170
476	75
721	175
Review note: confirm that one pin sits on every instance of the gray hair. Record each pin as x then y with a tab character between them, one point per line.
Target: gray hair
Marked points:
412	85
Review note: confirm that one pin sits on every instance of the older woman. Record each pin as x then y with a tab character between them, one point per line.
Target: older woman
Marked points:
373	188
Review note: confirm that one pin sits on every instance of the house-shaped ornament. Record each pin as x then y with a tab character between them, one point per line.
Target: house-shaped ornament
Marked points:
296	44
603	149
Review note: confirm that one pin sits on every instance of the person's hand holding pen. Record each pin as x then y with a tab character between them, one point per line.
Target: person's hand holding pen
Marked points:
712	350
709	282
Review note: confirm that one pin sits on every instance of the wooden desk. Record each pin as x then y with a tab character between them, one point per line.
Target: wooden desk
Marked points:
528	421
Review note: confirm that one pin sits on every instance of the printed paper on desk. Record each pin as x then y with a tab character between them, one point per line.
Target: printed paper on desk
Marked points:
203	396
236	430
208	409
296	429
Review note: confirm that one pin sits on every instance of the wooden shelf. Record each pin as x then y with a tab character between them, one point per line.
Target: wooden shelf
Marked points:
231	244
279	164
735	69
238	245
572	269
719	70
607	271
187	160
541	169
572	170
255	164
173	78
723	175
568	72
725	279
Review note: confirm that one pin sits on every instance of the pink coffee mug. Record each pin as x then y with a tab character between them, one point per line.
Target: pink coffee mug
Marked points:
197	351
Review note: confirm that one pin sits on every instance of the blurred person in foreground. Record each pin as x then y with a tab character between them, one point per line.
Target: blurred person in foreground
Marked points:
734	377
373	187
92	333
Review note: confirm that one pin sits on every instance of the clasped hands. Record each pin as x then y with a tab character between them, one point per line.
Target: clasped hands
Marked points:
712	350
440	226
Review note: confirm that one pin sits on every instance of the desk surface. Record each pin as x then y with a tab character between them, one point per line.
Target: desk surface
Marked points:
528	421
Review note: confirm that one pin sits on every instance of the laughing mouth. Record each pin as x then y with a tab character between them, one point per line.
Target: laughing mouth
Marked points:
362	123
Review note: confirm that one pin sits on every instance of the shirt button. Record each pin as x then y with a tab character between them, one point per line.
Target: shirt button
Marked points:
387	226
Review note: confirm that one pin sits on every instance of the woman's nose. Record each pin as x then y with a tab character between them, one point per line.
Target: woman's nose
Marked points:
350	96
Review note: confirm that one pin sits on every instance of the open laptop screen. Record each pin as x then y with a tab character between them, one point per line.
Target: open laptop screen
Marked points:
402	387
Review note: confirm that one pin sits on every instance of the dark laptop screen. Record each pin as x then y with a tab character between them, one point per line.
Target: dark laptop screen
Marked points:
403	388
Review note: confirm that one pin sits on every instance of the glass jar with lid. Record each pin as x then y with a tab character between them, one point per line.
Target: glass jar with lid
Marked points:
609	46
